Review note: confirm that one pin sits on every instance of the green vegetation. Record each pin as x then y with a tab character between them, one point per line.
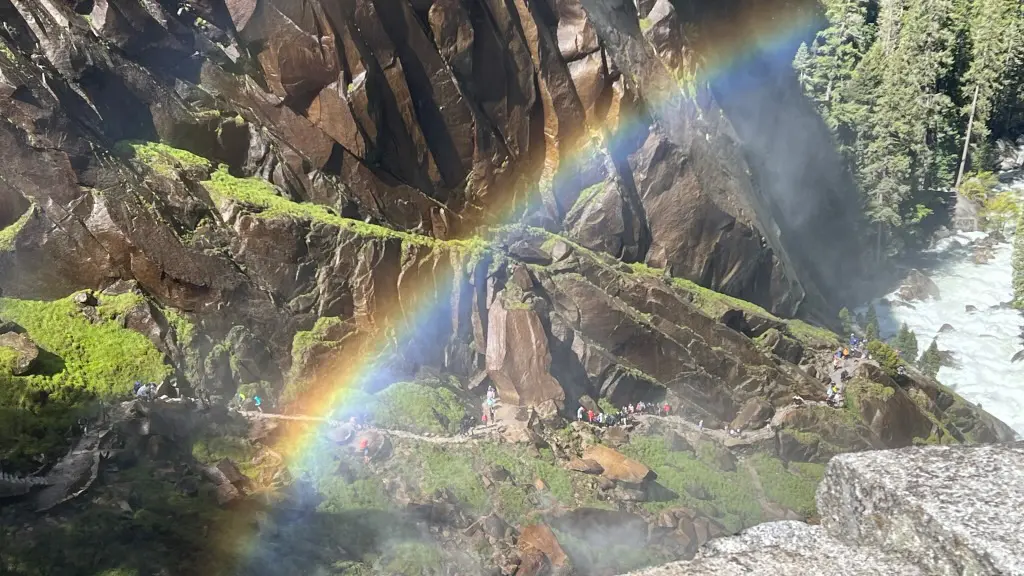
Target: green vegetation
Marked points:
586	196
418	408
102	358
447	469
525	469
412	559
163	159
860	389
885	356
1018	265
897	84
792	490
846	319
645	24
872	330
214	448
906	343
9	233
304	340
184	329
931	360
732	493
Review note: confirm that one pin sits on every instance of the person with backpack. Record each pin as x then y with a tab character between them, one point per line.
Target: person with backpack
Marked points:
364	447
259	403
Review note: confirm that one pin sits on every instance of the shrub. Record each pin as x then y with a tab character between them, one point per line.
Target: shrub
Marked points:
418	408
886	357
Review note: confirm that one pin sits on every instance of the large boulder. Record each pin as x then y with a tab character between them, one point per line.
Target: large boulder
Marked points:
518	357
21	350
618	466
755	413
540	537
917	286
947	509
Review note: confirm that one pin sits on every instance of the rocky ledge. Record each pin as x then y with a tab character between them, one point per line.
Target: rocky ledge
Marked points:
933	510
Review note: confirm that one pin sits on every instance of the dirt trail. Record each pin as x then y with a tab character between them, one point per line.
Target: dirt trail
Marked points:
477	433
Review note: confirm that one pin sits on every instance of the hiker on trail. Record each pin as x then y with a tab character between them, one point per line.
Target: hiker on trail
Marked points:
491	393
666	409
846	353
853	340
590	416
364	447
600	417
490	410
579	414
700	425
629	408
259	403
484	418
241	401
640	407
135	388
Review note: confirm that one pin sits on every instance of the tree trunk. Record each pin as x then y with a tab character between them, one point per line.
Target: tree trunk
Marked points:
967	140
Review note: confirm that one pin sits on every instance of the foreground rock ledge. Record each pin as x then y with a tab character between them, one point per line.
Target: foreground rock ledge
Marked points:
930	510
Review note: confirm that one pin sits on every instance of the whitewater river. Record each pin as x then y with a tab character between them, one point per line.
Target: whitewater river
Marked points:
982	342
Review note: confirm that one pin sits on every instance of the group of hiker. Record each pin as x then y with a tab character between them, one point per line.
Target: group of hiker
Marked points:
256	403
623	414
145	391
489	406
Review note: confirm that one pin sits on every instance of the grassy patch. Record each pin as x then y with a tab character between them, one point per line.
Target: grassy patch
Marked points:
412	559
306	339
444	468
184	329
261	195
793	491
732	493
525	469
163	159
102	358
418	408
10	233
812	335
212	449
860	389
8	359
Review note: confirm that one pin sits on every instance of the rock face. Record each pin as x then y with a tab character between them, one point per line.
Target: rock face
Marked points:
930	510
917	286
518	359
950	509
24	351
429	117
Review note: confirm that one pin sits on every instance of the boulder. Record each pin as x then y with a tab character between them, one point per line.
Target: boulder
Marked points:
23	350
231	473
676	442
540	537
755	413
227	494
1018	356
970	308
947	509
782	346
917	286
946	328
585	465
518	357
617	466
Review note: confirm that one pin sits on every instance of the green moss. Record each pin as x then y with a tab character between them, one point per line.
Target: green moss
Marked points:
184	329
645	24
6	52
452	470
101	358
586	196
9	233
418	408
8	359
813	335
214	448
732	493
525	469
860	389
163	159
111	307
793	491
304	340
412	559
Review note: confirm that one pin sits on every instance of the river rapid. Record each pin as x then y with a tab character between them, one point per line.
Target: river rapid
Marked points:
982	342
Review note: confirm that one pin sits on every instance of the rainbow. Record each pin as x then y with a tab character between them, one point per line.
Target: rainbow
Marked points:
765	31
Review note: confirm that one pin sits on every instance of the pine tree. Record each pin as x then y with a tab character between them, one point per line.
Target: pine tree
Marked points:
846	319
1018	264
906	343
931	360
872	330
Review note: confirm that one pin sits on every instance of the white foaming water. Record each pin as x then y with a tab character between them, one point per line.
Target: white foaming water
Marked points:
982	342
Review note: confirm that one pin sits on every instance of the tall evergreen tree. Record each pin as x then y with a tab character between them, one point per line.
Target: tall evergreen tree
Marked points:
1018	264
931	360
906	343
872	329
